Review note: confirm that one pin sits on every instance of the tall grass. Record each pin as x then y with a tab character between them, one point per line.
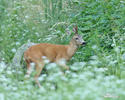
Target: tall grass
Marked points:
96	70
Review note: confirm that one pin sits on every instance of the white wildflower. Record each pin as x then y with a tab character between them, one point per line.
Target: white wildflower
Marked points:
123	57
52	87
19	72
51	66
9	72
67	71
2	66
100	69
74	75
46	61
117	49
62	61
13	50
2	96
14	88
26	17
32	65
94	57
113	45
92	62
44	57
42	89
64	78
17	43
94	47
37	33
41	78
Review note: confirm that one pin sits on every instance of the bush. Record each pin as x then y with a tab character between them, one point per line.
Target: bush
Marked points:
97	70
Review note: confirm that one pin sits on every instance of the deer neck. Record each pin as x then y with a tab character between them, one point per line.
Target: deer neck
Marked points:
72	47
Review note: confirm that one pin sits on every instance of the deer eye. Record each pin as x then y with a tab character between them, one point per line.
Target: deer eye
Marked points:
77	38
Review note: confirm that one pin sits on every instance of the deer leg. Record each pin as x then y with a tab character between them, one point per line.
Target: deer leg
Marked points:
39	67
28	69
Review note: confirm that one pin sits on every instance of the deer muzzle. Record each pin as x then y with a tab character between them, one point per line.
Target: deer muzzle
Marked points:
83	43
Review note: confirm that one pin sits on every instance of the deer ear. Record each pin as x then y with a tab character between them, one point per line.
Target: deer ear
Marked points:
75	29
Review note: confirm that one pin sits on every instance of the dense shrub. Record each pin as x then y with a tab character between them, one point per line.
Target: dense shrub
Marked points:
96	70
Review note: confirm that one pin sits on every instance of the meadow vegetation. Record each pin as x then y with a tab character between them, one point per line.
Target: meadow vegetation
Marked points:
97	70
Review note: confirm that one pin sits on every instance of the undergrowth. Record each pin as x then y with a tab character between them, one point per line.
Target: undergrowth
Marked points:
97	70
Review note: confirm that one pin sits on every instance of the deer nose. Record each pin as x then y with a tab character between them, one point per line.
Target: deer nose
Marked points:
83	43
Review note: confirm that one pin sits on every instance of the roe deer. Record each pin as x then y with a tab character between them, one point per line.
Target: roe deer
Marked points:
53	52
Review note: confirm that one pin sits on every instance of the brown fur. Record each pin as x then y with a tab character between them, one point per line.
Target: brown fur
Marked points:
53	52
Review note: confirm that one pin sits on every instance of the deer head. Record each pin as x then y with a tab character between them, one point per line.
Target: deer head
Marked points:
77	38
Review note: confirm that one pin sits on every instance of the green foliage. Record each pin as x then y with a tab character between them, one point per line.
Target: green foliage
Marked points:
99	68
